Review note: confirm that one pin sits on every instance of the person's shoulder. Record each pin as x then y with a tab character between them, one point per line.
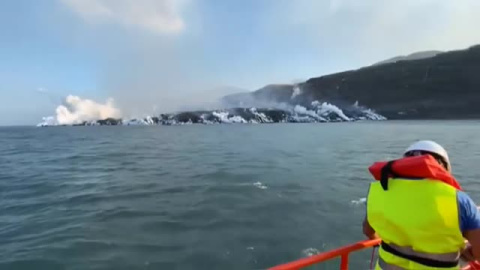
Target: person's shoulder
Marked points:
465	202
464	199
469	214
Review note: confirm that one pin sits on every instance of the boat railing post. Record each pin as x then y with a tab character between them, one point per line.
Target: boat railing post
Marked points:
344	262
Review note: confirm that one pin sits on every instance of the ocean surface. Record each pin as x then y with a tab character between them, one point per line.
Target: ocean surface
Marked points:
200	196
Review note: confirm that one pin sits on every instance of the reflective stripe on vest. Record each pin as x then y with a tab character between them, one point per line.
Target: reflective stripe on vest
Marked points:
445	260
418	218
443	257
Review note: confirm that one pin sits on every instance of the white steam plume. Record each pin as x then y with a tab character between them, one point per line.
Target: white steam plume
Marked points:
77	110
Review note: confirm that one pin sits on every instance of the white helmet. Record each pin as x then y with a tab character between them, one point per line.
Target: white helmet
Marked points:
432	147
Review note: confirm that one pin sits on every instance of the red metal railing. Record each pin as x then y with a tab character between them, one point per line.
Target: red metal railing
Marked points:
343	253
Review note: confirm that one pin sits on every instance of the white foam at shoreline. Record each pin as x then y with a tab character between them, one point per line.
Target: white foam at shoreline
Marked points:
321	112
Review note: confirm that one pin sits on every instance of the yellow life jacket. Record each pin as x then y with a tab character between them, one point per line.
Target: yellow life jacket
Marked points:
415	218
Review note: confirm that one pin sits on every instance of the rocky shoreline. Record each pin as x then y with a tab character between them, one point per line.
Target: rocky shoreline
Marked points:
315	113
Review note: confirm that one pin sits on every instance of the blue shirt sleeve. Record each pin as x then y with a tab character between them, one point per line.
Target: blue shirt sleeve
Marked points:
469	214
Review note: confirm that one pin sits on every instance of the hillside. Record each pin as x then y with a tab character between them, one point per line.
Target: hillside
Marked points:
413	56
445	86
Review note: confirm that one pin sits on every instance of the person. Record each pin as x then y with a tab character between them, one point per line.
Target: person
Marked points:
420	212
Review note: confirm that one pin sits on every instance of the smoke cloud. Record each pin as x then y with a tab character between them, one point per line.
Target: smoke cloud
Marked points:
161	17
148	54
77	110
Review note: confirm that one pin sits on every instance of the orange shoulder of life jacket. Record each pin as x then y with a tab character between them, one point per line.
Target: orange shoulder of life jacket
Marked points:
424	166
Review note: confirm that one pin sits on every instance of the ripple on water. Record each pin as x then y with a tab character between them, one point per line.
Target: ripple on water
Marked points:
260	185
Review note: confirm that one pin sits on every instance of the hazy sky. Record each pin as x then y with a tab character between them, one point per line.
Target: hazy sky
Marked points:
154	53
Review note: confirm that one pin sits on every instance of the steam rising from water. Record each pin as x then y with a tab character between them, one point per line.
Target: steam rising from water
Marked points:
77	110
